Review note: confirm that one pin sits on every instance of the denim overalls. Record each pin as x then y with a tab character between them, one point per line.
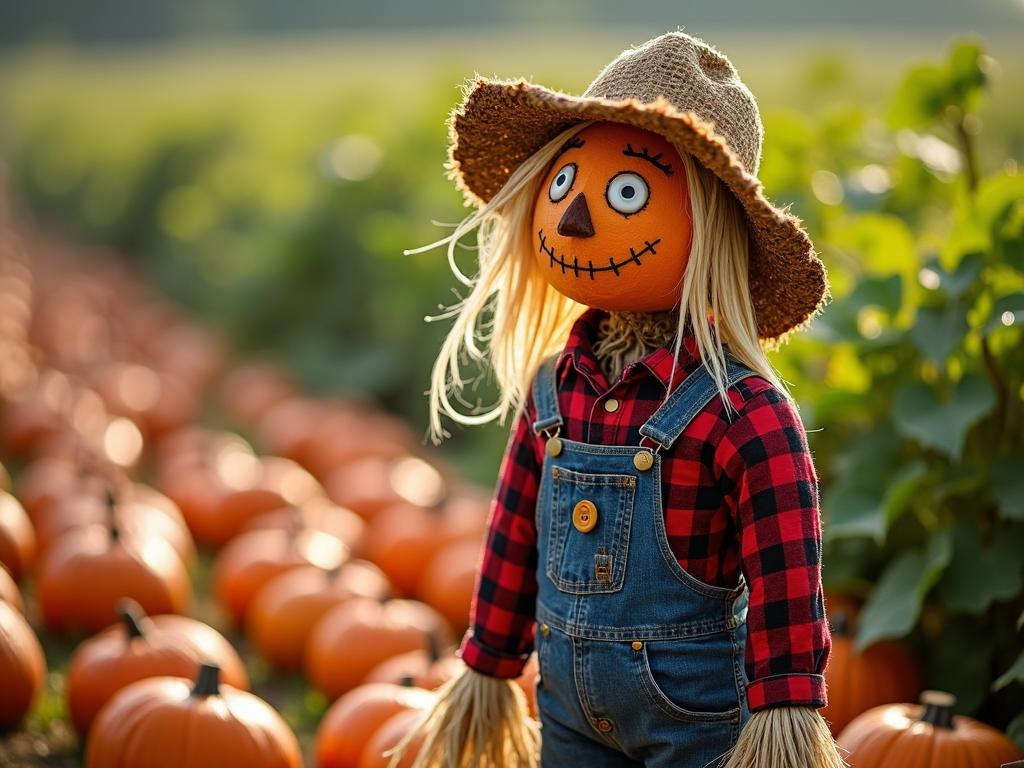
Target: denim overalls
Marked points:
640	663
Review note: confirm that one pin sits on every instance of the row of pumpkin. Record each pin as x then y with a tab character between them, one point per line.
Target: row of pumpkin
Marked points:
339	551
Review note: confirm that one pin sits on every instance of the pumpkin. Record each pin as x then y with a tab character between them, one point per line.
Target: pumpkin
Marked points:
165	722
423	668
404	538
285	429
86	571
389	734
22	666
17	536
354	717
284	611
138	647
5	478
318	514
592	203
249	390
449	580
357	635
9	591
883	673
252	559
928	735
139	512
349	432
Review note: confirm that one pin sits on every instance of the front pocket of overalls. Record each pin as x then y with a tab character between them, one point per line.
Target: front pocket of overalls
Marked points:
594	561
691	680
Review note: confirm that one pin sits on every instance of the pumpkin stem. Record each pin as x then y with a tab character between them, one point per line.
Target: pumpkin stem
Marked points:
132	616
208	681
433	647
938	708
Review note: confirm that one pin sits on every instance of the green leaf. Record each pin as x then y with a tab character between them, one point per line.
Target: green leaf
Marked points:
919	414
1006	312
1015	730
959	660
901	490
1015	674
893	607
886	293
936	333
966	79
920	100
854	512
883	244
1007	479
977	578
955	284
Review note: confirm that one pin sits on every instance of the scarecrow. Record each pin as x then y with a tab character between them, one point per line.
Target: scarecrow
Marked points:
655	535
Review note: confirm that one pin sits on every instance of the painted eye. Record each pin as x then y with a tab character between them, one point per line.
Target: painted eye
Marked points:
627	193
562	182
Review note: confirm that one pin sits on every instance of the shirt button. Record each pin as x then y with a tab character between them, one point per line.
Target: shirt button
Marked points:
604	725
611	405
545	630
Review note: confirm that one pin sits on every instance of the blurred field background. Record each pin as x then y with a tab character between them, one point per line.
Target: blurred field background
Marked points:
267	174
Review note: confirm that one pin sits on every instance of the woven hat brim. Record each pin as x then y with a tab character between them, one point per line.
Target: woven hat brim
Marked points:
501	123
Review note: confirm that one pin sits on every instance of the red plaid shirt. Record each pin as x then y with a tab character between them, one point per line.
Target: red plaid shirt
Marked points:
739	497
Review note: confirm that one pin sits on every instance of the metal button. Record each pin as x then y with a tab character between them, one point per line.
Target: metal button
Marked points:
637	645
611	405
604	725
584	516
643	460
553	446
545	630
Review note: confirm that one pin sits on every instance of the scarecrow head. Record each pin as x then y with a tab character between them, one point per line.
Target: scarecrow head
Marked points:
612	222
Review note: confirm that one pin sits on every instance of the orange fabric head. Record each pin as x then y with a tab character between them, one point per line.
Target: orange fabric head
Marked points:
612	223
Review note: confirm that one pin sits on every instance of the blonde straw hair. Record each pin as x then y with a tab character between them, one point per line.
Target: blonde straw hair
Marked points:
513	319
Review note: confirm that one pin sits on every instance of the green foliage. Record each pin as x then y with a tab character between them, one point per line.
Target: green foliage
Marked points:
921	402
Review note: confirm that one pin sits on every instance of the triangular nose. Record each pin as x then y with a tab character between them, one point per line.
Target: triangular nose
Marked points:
576	219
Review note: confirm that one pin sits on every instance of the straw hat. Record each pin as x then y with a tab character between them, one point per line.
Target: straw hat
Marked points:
682	88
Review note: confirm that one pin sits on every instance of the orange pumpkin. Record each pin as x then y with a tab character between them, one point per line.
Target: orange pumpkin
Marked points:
357	635
284	611
423	668
252	559
318	514
449	580
165	722
251	389
143	646
612	222
86	571
389	734
17	536
346	727
883	673
22	666
9	591
928	735
404	538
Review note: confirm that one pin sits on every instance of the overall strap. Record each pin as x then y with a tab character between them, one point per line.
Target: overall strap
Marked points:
545	397
696	391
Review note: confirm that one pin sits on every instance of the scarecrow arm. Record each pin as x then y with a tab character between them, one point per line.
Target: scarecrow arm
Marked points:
785	737
478	720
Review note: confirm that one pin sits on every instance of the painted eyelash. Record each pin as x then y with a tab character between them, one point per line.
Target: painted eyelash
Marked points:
666	167
573	143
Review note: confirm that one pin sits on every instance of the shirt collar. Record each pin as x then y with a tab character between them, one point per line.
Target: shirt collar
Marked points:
661	363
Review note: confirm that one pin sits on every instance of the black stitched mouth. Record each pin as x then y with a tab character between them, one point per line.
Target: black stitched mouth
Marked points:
576	267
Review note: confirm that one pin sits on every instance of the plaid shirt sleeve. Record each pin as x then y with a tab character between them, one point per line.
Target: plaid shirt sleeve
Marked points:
767	473
500	638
